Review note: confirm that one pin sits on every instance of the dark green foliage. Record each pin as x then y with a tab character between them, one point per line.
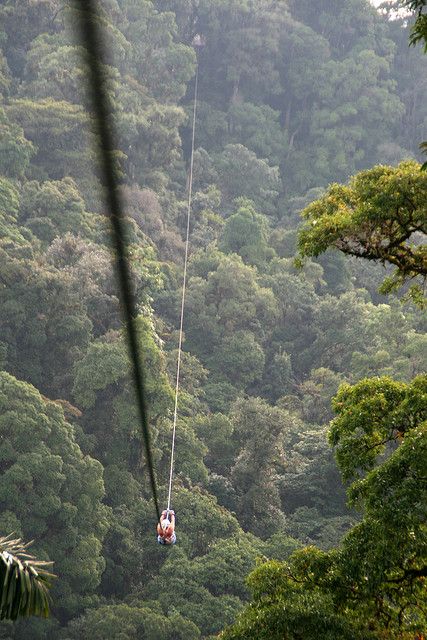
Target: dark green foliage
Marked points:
241	173
44	324
130	623
15	150
375	581
59	131
52	209
372	416
245	233
290	99
278	611
51	491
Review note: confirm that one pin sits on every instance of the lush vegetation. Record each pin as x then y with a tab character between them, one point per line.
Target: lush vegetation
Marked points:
290	100
374	582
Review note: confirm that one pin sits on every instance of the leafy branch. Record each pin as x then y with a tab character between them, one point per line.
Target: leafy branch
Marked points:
25	581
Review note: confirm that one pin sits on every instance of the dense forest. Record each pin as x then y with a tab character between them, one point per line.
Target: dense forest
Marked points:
328	519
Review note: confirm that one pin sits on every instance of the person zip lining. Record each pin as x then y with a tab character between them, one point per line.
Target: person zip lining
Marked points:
166	528
94	49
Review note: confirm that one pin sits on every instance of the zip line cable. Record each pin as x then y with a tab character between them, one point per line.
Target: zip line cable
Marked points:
184	285
95	49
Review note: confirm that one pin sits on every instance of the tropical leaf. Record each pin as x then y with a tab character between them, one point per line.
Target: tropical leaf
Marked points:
24	581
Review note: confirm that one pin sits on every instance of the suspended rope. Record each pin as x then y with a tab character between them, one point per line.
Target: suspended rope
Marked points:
184	285
94	48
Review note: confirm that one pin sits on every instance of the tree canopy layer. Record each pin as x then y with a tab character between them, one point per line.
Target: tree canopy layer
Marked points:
289	101
376	579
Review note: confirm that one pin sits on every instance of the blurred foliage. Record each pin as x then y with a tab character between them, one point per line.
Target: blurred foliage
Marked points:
25	581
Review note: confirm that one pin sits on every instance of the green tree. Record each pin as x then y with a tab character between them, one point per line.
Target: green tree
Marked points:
164	65
15	150
258	128
316	394
241	173
289	99
311	494
280	609
53	208
372	418
11	233
376	217
245	232
45	328
374	583
419	30
51	492
103	387
240	359
346	25
130	622
178	581
5	78
149	136
216	430
53	70
226	298
419	34
258	429
60	131
296	301
225	567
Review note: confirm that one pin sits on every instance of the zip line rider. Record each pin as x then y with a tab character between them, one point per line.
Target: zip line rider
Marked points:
166	528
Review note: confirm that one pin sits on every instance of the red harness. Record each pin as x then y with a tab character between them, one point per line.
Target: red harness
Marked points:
166	533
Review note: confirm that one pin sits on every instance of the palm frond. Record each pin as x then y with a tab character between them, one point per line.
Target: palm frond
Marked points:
24	581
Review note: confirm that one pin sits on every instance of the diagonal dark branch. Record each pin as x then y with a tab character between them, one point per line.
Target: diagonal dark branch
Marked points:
95	50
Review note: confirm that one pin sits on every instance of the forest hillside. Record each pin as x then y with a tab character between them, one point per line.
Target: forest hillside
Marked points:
330	528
